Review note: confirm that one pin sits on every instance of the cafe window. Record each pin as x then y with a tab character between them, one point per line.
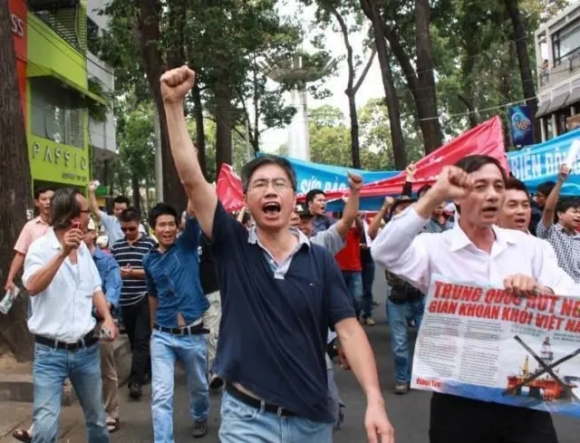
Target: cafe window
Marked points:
561	123
93	37
566	43
57	112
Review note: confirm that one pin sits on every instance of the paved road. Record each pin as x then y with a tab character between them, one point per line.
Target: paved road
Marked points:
409	413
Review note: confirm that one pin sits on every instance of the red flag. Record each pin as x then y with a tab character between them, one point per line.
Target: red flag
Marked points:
229	189
485	139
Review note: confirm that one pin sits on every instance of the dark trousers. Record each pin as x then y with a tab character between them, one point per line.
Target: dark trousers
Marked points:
368	278
136	319
462	420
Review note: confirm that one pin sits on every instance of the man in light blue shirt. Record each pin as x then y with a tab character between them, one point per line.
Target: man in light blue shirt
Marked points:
111	223
111	284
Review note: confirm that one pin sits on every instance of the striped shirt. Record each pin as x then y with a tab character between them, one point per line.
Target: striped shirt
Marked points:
63	311
133	289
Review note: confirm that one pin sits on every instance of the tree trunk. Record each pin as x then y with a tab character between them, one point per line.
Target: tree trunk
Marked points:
223	127
506	68
429	119
200	130
391	97
521	41
469	42
15	197
147	193
149	12
136	191
350	92
425	99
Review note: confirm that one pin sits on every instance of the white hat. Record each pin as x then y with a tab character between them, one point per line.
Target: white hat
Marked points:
92	226
102	241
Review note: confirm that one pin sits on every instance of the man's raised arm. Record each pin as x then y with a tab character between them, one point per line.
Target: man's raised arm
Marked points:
175	85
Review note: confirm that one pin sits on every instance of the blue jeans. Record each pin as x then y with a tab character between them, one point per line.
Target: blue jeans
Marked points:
83	368
398	316
241	423
166	349
368	278
354	285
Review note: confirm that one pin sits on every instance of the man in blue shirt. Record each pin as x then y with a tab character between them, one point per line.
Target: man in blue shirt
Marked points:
280	294
177	305
111	276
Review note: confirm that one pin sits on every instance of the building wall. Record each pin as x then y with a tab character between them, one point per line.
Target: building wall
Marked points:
102	134
559	81
52	73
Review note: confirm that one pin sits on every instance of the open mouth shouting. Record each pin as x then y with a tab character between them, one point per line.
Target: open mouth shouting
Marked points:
271	209
521	222
490	211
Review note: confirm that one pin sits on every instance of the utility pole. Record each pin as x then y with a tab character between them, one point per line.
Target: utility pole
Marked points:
158	158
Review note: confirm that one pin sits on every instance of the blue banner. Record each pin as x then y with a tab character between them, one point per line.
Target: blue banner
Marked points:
330	178
521	127
540	163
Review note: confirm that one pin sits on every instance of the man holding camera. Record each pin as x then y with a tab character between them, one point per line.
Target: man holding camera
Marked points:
64	284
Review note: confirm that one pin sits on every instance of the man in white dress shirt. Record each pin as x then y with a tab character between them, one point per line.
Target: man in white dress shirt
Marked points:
62	279
474	250
516	213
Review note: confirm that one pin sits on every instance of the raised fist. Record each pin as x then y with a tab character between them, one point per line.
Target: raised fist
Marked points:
354	181
564	172
176	83
452	183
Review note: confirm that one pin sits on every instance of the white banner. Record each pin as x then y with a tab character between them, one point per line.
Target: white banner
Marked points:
484	343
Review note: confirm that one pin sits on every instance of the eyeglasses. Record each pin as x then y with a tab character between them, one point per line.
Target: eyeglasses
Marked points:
85	211
260	185
128	229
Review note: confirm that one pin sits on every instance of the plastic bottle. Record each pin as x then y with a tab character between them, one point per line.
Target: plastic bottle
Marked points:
8	300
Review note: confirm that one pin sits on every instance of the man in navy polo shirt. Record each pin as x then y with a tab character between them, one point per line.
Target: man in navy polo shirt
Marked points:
177	305
280	294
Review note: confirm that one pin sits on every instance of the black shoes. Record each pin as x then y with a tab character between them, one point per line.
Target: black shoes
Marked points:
135	391
199	428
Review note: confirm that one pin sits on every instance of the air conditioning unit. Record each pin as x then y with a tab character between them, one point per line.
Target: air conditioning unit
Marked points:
45	5
573	122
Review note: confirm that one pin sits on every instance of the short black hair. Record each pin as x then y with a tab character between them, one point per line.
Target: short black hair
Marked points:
129	215
311	195
473	163
41	190
252	166
163	209
513	183
545	188
121	199
64	208
566	203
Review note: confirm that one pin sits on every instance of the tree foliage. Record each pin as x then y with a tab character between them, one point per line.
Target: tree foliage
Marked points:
330	137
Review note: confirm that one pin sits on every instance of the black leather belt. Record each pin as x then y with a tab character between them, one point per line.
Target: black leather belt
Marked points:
188	330
85	342
258	404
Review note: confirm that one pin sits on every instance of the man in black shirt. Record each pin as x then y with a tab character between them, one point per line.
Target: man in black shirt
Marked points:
280	294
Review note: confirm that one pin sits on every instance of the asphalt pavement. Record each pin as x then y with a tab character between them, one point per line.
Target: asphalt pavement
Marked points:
409	413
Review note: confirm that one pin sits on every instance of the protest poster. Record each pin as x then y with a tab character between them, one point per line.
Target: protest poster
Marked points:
484	343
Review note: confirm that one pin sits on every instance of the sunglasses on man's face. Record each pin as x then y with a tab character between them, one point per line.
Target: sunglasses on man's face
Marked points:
128	229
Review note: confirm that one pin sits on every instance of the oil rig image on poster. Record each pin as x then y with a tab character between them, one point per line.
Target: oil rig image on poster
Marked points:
545	383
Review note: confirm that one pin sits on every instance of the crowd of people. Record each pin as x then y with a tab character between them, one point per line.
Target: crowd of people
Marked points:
260	304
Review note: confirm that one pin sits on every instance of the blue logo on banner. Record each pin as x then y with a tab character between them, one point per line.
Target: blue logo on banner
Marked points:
540	163
521	126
